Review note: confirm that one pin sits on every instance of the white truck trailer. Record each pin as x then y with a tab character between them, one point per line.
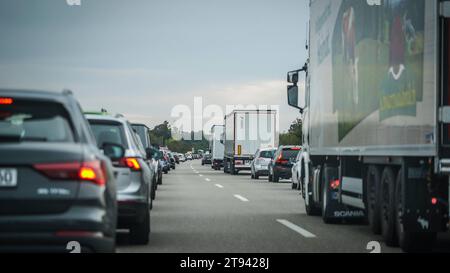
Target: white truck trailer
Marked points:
376	118
245	132
216	147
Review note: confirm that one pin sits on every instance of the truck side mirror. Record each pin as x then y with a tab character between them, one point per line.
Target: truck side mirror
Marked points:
292	91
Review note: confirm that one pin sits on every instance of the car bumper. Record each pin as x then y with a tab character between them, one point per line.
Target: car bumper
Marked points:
131	212
283	172
51	233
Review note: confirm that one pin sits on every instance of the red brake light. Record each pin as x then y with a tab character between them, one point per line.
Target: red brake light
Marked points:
87	171
434	201
296	149
6	101
281	160
130	162
335	184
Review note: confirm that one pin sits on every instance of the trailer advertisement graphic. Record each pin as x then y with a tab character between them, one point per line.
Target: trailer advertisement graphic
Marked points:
377	55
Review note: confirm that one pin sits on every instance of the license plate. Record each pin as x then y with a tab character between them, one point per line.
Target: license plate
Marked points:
8	178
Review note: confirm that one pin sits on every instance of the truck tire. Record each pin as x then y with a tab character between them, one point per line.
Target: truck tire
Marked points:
409	241
232	170
256	176
374	199
312	209
388	209
140	232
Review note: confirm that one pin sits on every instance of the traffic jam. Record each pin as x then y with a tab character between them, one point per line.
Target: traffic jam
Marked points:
112	165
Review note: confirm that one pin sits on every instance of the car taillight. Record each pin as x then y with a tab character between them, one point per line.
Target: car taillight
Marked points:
334	185
91	171
130	162
281	160
6	101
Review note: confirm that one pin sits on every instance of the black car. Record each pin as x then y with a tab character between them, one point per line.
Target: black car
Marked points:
281	164
206	159
56	186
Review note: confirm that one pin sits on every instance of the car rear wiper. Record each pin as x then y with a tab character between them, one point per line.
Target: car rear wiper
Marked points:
18	138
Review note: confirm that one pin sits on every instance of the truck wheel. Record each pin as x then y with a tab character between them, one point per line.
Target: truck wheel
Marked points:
256	176
140	232
373	199
388	209
311	209
409	241
232	170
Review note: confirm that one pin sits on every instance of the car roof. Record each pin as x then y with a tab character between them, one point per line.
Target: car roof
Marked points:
64	96
140	124
106	117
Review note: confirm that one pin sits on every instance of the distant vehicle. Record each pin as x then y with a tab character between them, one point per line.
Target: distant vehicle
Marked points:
206	160
165	162
245	132
296	172
143	133
177	158
56	186
182	158
189	157
135	177
260	163
217	148
281	163
172	161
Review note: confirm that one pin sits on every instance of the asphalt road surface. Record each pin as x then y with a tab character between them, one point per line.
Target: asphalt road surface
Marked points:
199	210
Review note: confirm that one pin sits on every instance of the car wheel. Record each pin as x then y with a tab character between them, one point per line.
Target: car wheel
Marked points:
373	199
388	209
276	177
409	241
140	232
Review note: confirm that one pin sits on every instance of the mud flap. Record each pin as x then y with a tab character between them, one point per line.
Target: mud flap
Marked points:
336	210
419	212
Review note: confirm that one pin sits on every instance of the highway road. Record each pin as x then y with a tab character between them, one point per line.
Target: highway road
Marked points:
199	210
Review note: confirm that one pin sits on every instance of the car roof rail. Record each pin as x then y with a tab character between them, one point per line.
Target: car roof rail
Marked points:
67	92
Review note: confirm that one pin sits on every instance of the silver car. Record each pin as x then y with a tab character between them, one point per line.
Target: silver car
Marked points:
135	177
259	166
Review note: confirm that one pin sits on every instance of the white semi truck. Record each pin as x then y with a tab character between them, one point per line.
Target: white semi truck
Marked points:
246	131
375	104
216	147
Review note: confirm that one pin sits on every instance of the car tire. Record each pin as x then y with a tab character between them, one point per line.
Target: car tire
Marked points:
388	209
140	232
256	176
276	177
270	178
374	199
409	242
294	185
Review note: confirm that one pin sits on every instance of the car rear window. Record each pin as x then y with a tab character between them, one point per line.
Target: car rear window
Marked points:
140	131
108	132
35	121
290	154
266	154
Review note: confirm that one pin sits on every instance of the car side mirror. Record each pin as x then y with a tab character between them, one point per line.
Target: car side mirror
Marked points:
113	151
149	153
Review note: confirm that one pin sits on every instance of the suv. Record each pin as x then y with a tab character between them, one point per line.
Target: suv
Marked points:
281	164
135	176
144	134
206	159
260	164
56	186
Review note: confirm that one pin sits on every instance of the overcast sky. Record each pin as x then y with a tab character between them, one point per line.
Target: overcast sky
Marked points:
143	57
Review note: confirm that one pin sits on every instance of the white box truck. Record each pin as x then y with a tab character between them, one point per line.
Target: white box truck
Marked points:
216	147
376	118
245	132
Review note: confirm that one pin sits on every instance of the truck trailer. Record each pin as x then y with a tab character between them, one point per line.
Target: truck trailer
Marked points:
245	132
216	147
375	103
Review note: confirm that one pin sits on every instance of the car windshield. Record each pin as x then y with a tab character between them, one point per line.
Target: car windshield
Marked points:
267	154
32	121
290	153
108	133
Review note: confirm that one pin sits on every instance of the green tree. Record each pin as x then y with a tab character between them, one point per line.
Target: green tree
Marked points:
294	135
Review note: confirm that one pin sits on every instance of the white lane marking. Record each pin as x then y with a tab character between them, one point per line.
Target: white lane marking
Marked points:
201	175
240	197
296	228
219	186
207	179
